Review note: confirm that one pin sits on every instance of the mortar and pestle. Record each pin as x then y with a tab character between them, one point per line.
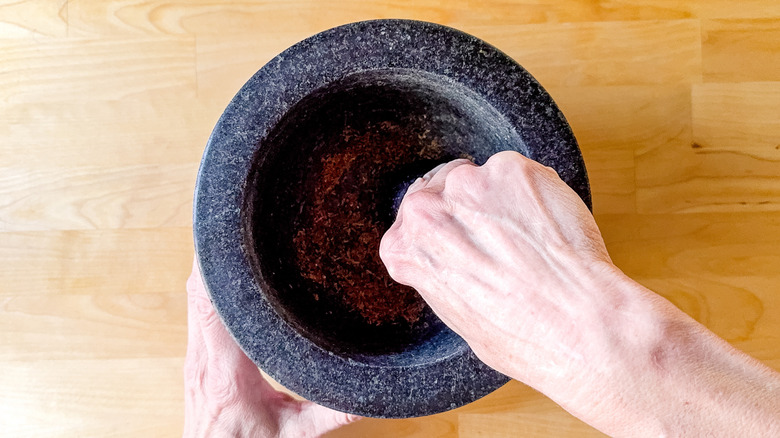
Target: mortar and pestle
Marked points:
303	174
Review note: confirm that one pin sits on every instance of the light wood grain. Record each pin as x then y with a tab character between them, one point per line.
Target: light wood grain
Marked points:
77	69
96	197
209	17
613	124
682	245
105	397
730	160
105	107
153	128
530	425
438	426
603	53
749	127
230	61
94	262
32	19
93	326
741	50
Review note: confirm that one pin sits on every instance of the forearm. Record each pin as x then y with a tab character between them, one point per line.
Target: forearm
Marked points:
715	389
667	375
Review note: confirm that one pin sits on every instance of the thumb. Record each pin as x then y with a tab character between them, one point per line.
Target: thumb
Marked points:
315	420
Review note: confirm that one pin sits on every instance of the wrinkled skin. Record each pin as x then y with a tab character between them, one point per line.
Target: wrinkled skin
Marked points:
510	258
502	250
225	394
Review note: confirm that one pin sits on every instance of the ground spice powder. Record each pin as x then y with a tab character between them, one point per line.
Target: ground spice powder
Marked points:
337	243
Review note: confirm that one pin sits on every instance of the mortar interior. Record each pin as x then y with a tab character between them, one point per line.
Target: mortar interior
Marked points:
436	120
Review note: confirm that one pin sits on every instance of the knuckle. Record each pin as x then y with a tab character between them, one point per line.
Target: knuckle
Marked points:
388	248
391	250
552	173
394	270
420	206
505	157
547	170
465	177
463	171
511	161
209	320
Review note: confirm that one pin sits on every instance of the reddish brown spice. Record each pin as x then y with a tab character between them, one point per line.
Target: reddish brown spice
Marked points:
338	241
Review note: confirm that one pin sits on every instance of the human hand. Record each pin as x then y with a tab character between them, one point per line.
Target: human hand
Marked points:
499	249
224	393
510	258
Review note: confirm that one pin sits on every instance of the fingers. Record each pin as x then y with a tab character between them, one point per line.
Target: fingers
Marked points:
434	179
201	317
195	286
195	290
219	377
437	180
316	420
392	242
209	340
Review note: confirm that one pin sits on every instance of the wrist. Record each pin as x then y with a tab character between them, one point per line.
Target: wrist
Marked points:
646	342
668	375
630	338
609	323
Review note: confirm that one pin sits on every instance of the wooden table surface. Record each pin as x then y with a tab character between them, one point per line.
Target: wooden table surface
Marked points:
105	107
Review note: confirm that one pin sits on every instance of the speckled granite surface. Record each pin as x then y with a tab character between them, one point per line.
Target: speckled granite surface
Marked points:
474	99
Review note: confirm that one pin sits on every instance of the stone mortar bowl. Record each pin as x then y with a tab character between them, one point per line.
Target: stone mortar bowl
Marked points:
428	94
